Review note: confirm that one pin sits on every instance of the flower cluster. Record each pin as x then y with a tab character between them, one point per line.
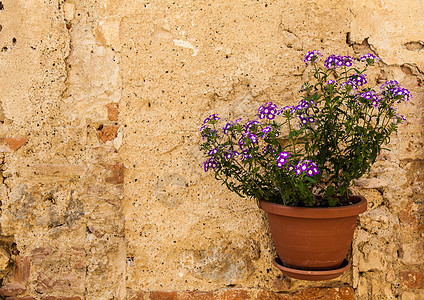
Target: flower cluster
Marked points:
307	167
393	90
230	124
370	59
336	61
268	110
312	56
210	163
369	98
213	117
282	159
358	80
331	137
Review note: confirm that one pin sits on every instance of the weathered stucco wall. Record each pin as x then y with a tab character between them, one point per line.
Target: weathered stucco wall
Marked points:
102	193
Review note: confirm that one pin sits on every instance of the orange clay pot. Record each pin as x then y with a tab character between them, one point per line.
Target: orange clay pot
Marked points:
315	239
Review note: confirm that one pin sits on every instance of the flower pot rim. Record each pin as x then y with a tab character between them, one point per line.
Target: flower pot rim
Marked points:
355	209
312	275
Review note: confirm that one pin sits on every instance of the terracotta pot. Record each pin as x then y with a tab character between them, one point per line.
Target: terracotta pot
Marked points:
313	238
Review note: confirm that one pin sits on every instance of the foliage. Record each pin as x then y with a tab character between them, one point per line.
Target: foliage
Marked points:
317	147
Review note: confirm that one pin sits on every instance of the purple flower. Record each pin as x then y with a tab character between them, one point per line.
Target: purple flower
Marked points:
230	124
393	90
213	152
335	61
282	159
281	162
213	117
312	56
210	163
284	154
347	86
268	110
370	58
398	118
268	149
358	80
389	85
369	97
253	137
305	119
306	167
347	61
303	104
245	155
228	155
402	94
329	82
332	61
250	124
265	131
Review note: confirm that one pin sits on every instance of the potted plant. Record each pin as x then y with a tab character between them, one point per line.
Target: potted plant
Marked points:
299	161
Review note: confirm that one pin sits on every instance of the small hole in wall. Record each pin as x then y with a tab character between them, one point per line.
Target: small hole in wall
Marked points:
348	41
14	248
4	49
14	40
1	6
400	253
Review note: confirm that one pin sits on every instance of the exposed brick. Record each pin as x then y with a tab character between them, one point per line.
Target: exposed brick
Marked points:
41	252
8	144
108	133
15	143
22	270
58	170
117	173
189	295
63	282
412	279
12	289
69	279
21	298
112	111
338	293
163	296
60	298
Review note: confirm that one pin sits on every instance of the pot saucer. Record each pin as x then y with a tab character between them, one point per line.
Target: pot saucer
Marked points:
311	275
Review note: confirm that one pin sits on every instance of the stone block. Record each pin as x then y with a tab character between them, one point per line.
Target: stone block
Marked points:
412	253
413	295
69	11
12	289
58	170
22	271
112	111
9	144
116	173
4	258
61	298
335	293
412	279
108	133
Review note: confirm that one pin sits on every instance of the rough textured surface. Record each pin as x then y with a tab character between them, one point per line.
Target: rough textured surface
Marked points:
102	194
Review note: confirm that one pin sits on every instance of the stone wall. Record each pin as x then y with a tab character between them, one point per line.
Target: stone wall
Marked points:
102	193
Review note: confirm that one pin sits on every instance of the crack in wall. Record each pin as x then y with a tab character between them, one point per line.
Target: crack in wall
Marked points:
68	25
